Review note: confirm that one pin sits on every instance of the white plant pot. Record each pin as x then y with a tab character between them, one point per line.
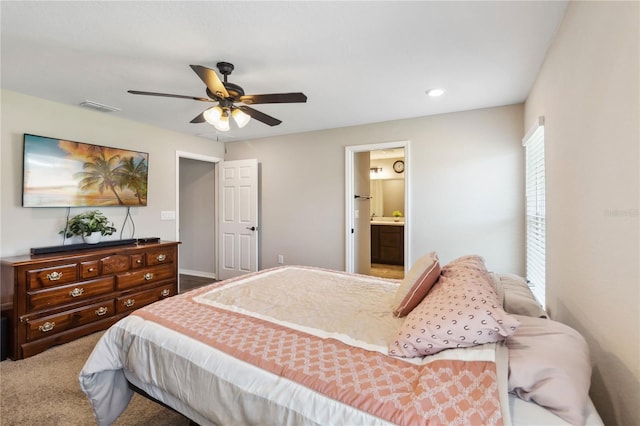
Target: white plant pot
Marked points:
93	238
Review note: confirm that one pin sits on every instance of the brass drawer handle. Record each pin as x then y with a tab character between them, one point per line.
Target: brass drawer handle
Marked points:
54	276
76	292
101	311
165	292
161	257
139	261
91	269
47	326
129	302
148	276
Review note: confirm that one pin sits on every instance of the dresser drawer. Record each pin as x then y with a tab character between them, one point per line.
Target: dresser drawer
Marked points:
89	269
116	263
144	276
52	276
161	256
137	300
53	324
137	261
68	294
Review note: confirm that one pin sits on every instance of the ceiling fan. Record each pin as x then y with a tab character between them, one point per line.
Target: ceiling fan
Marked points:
226	94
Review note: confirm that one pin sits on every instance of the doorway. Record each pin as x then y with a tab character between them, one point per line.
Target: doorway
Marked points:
387	212
196	215
372	232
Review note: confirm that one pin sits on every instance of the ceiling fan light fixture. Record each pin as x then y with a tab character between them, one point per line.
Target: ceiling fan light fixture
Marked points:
223	123
213	115
240	117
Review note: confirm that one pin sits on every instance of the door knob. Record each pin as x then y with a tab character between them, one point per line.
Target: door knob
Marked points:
252	228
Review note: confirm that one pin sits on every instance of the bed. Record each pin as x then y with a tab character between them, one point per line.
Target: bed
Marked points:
300	345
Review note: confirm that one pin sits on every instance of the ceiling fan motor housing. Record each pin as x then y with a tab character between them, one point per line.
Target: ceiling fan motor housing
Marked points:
225	68
234	90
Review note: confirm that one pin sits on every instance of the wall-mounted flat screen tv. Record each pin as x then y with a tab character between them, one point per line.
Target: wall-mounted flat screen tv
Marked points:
63	173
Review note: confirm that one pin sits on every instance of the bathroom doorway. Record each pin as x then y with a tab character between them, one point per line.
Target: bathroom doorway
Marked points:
387	212
377	181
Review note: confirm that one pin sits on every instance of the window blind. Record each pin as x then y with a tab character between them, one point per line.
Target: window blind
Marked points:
535	210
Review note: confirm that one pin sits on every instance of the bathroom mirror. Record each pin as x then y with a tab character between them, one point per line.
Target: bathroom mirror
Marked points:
387	196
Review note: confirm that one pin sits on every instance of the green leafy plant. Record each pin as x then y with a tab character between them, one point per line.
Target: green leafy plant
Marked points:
87	223
397	213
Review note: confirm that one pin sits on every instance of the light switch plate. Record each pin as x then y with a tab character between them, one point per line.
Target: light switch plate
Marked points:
168	215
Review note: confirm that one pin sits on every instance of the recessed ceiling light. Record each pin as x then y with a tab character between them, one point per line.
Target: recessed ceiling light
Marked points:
435	92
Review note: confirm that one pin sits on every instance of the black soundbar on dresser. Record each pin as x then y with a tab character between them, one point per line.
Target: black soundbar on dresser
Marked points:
69	247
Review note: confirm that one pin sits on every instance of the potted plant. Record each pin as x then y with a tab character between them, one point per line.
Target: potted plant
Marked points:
397	214
91	225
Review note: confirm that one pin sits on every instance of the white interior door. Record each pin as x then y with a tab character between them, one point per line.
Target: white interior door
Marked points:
238	217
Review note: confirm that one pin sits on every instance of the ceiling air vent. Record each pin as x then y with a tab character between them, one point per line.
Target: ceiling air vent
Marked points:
98	107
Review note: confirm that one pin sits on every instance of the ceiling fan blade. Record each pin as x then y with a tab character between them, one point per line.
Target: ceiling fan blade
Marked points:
212	80
167	95
199	118
260	116
274	98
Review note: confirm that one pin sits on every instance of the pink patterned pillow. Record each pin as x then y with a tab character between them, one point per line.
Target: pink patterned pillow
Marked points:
471	261
461	310
415	286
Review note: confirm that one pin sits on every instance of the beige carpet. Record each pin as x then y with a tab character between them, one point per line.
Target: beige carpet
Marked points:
44	390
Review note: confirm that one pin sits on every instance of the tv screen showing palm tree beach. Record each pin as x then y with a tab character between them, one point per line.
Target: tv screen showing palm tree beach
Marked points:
62	173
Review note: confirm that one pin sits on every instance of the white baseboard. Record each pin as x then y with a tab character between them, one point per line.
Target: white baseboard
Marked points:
198	273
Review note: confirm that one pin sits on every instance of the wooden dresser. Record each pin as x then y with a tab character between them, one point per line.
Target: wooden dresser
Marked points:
56	298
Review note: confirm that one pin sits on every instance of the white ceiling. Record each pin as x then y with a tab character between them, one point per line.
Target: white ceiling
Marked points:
358	62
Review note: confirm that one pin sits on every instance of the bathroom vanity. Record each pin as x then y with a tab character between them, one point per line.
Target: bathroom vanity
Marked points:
387	242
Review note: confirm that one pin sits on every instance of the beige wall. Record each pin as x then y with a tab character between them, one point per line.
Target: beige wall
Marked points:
23	228
587	90
466	194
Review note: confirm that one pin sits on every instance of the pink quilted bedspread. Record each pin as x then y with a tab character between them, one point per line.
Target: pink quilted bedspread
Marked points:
446	391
